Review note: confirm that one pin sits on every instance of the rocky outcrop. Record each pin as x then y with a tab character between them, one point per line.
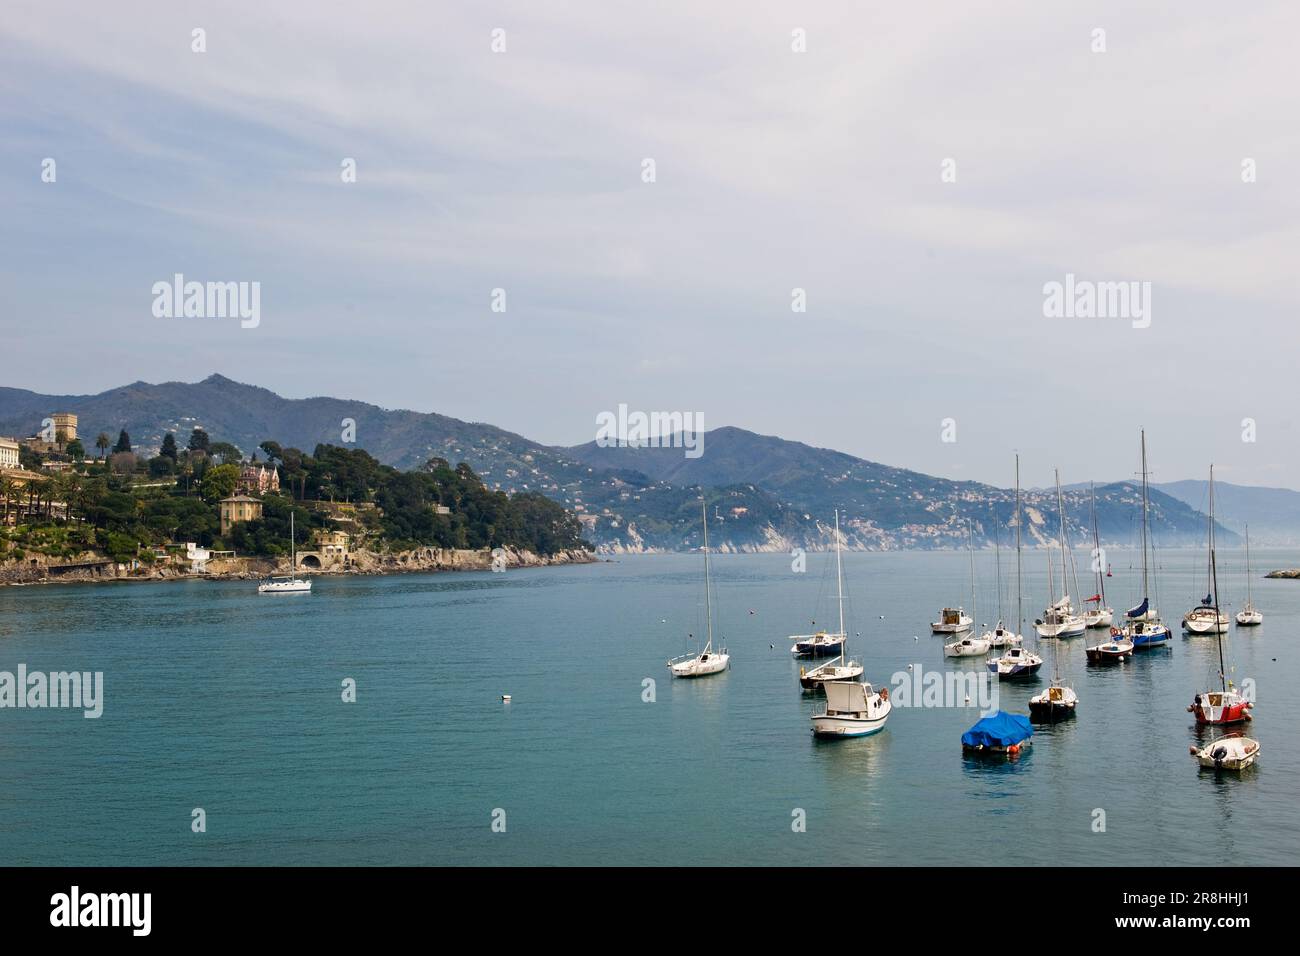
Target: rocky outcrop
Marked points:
1285	573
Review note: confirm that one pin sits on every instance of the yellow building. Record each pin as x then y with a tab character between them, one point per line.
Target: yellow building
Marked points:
238	508
65	427
334	543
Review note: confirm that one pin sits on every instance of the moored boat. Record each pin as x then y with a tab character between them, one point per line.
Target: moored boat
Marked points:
853	709
1001	735
1229	752
707	661
841	668
1249	615
952	621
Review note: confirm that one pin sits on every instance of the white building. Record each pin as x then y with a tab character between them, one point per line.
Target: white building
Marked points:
8	453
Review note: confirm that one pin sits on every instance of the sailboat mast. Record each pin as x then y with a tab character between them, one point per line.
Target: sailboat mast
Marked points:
708	589
1249	602
1096	544
970	548
1020	614
1214	584
997	560
839	585
1146	587
1060	507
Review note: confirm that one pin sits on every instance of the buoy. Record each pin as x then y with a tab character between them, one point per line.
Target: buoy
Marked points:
968	698
1014	749
909	667
770	646
505	698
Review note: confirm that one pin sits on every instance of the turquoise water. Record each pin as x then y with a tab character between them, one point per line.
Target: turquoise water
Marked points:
219	699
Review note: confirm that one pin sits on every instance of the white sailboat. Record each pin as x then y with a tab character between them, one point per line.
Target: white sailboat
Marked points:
1143	627
1001	636
1207	617
1118	648
1059	699
707	661
1017	661
291	584
1103	615
1249	615
970	645
1059	619
840	668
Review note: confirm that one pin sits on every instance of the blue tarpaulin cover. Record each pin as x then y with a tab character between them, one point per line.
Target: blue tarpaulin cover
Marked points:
1000	730
1141	609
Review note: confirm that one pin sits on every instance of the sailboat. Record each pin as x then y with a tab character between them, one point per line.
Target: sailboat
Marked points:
1143	626
291	584
1225	705
706	661
1103	615
1207	618
841	668
1249	615
1059	620
1001	636
1059	699
1017	661
1118	649
970	645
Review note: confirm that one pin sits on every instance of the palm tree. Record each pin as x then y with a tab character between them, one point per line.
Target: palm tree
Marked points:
8	488
102	442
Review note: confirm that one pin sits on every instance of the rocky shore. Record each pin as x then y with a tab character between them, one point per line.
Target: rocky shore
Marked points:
91	567
1285	573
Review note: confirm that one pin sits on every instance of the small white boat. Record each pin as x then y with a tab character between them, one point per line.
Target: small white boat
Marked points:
292	584
1002	637
1098	617
841	668
1206	620
1115	651
1249	615
1230	752
1060	621
708	661
952	621
1055	702
853	709
967	647
1016	662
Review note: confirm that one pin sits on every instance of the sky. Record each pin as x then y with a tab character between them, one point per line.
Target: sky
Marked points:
922	171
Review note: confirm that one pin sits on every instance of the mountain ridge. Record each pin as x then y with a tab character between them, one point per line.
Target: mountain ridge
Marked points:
764	492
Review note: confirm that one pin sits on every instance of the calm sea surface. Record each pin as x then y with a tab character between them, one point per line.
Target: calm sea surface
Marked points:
221	699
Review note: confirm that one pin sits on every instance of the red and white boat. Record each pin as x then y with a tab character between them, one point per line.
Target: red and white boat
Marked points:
1225	705
1216	707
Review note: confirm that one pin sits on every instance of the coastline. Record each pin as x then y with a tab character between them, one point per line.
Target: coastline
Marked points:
99	570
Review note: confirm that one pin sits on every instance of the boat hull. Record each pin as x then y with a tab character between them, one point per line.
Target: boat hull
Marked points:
1011	671
1150	637
699	666
1249	618
285	587
1112	652
814	678
971	648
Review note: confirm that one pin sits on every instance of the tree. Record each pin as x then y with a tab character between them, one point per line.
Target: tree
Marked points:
225	451
199	440
122	462
123	442
76	451
273	451
161	466
219	482
102	441
169	447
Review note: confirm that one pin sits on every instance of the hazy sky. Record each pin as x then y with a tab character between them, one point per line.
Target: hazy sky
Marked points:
775	169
